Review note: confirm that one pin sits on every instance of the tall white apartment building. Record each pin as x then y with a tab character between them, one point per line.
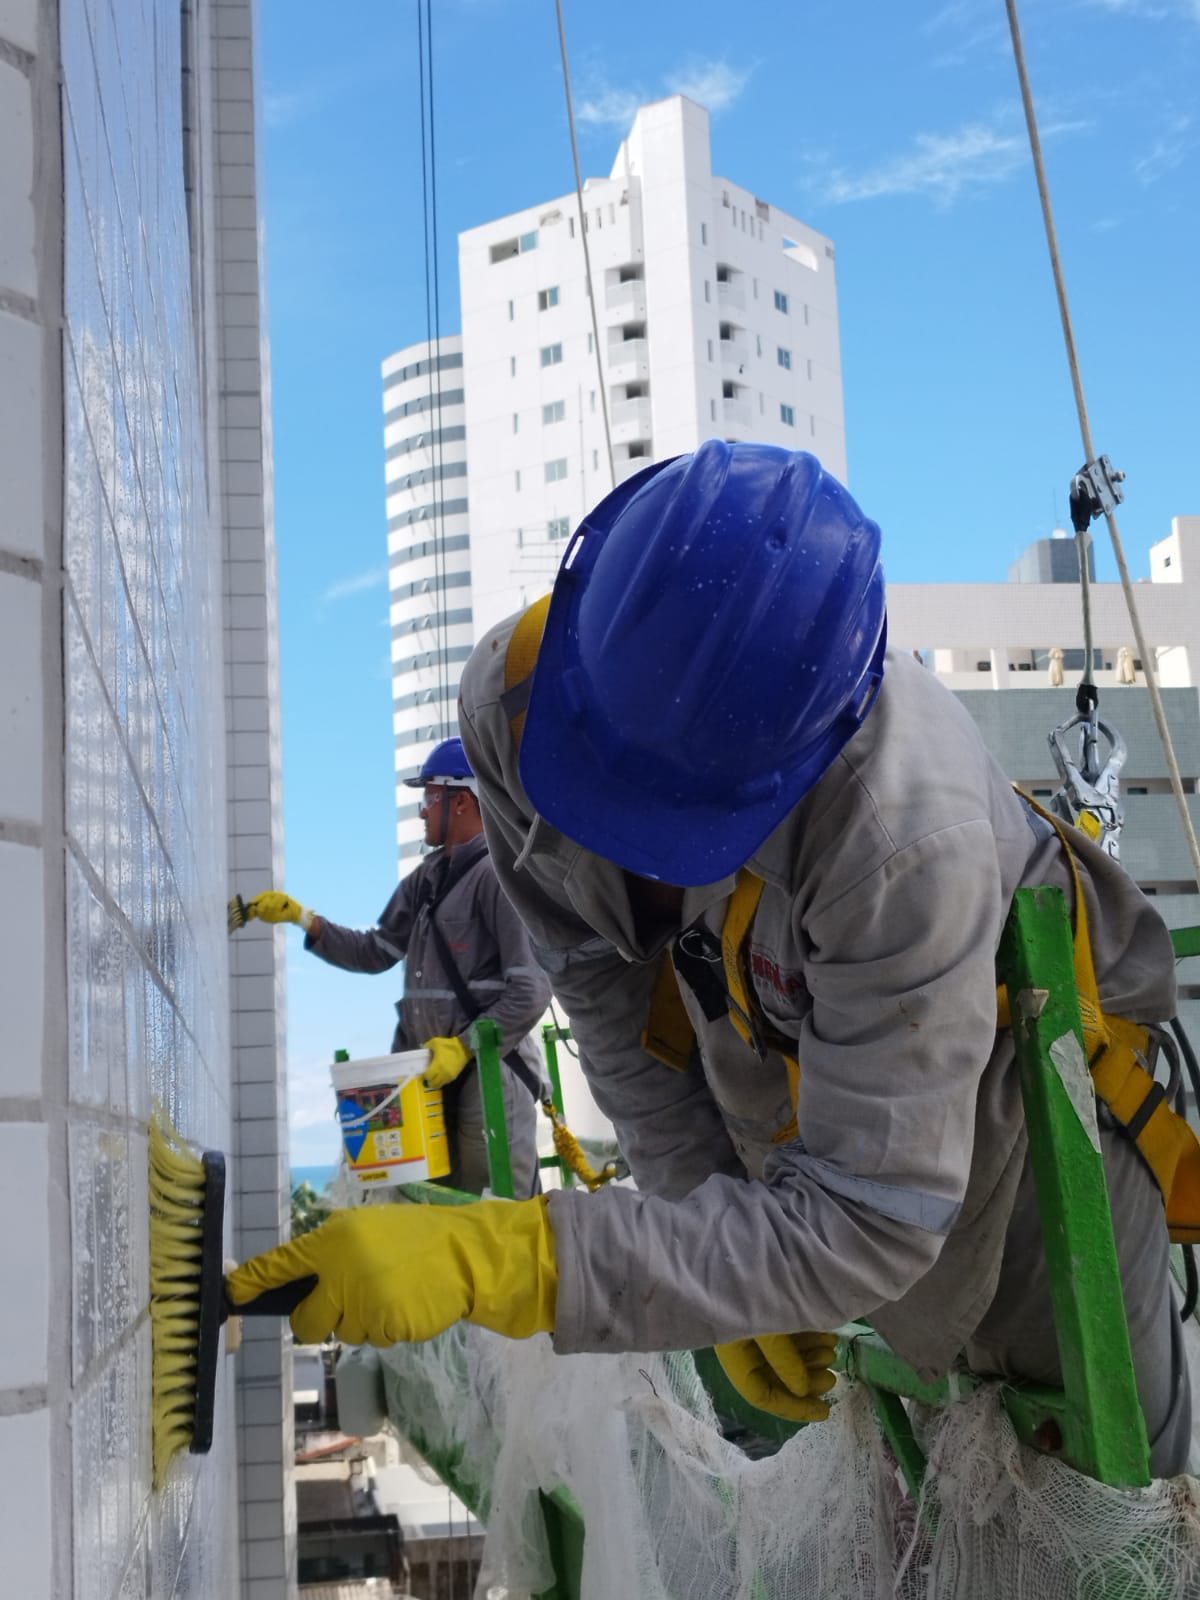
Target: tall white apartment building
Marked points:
716	315
429	557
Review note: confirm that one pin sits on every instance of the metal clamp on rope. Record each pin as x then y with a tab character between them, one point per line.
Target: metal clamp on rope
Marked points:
1090	796
1095	492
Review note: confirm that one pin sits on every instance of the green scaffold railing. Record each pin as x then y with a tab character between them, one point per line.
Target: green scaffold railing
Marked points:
1094	1421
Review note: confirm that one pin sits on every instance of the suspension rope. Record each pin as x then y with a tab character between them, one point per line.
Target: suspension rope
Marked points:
1160	718
433	344
583	234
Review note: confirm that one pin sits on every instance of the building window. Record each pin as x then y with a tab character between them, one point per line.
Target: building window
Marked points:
710	349
516	421
784	358
787	414
591	344
555	411
704	233
551	355
512	366
517	480
528	241
571	227
595	461
556	471
781	301
547	298
558	528
507	248
511	310
707	296
712	410
592	399
758	344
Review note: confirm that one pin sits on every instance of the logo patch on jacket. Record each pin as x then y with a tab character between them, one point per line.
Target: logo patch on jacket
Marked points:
787	983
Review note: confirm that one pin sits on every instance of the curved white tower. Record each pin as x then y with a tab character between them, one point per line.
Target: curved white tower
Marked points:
424	430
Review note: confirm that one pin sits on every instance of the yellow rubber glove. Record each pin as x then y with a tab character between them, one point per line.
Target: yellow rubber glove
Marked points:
401	1273
783	1373
275	906
447	1058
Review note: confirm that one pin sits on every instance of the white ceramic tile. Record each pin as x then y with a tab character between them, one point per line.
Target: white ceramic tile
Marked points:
22	515
264	1520
21	733
22	892
18	267
25	1505
25	1317
259	1137
262	1444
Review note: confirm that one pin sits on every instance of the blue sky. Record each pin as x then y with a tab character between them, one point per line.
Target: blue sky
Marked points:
896	130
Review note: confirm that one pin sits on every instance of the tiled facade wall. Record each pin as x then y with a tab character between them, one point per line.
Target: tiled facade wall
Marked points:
121	502
267	1526
32	1141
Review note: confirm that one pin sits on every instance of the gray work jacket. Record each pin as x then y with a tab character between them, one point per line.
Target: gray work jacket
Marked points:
874	948
485	936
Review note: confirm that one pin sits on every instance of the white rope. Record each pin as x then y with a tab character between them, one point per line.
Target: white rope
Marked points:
1160	718
583	234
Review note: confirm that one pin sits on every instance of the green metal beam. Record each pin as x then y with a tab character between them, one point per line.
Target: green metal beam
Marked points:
1186	942
1104	1432
486	1042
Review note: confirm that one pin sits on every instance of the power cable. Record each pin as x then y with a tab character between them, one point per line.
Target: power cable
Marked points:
583	235
1160	717
433	345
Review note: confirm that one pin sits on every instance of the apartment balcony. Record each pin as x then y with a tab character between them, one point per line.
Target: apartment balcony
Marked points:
628	361
630	420
731	296
629	299
737	413
627	468
735	350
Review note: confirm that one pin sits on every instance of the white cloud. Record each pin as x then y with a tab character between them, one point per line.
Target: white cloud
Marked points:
361	581
284	106
714	84
608	107
941	167
1168	151
1152	10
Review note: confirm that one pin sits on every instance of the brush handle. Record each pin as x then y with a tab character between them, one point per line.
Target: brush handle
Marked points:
280	1302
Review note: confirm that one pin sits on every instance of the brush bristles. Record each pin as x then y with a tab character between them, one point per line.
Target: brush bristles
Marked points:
236	915
177	1198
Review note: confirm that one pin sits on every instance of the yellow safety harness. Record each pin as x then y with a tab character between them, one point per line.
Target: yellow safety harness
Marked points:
1117	1049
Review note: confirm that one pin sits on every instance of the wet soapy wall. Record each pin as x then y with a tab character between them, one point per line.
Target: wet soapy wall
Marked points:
139	782
147	965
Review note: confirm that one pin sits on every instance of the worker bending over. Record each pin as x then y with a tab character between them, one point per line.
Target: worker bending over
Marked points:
717	786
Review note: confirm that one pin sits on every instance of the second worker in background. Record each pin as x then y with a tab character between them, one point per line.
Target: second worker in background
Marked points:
466	955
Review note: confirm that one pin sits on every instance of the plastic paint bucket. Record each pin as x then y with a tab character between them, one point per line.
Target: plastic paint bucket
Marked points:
393	1127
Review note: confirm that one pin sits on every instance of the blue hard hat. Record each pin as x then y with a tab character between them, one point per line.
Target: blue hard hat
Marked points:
446	764
715	637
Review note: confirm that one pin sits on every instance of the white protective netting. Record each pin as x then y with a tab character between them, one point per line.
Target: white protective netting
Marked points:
674	1511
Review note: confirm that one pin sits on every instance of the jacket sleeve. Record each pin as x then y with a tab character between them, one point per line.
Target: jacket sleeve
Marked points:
668	1126
517	1007
369	949
902	980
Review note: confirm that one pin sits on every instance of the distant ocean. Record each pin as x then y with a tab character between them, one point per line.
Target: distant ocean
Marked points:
318	1177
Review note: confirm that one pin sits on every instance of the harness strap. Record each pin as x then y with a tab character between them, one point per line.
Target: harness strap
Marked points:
519	662
1118	1051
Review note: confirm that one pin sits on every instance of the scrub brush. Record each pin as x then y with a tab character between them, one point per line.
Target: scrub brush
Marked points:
237	915
188	1303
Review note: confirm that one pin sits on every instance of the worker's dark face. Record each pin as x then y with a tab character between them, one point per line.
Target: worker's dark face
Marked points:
434	812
